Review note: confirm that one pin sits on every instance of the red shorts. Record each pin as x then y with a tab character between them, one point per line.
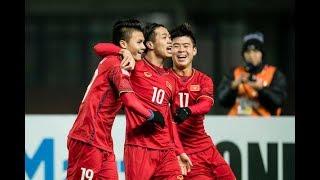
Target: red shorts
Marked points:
88	162
150	164
209	164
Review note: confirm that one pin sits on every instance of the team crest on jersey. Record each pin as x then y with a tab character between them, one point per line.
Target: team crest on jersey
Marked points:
169	85
180	177
147	74
195	87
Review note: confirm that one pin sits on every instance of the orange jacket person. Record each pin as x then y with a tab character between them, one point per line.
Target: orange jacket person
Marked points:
255	89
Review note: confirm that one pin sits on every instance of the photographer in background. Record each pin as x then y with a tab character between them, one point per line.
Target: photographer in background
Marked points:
255	89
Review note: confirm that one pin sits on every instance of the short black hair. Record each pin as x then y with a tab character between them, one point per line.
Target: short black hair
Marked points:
148	31
183	30
123	29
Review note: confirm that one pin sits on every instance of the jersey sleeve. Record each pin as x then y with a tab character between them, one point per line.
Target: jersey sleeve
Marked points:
105	49
205	100
207	89
120	79
203	106
132	103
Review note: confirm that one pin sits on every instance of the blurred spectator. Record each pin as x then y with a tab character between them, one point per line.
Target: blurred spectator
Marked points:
256	88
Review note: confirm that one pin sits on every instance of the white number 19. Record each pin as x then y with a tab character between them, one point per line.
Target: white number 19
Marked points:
86	173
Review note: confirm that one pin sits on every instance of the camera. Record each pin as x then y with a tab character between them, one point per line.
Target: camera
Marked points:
251	77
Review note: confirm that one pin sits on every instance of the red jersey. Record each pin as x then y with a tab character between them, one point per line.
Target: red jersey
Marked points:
189	91
101	104
153	86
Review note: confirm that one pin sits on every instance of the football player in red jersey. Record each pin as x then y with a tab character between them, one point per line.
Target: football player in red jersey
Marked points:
150	151
90	143
195	97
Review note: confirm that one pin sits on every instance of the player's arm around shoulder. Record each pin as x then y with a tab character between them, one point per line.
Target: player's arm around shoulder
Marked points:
105	49
110	65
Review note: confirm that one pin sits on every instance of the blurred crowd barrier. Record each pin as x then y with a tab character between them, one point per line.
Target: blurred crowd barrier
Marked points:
255	147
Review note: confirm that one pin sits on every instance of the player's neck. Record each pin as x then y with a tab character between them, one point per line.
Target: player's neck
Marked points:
154	59
183	72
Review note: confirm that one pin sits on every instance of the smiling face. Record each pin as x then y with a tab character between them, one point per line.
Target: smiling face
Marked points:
183	52
162	43
135	44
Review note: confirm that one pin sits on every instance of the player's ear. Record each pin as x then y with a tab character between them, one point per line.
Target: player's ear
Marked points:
123	44
149	45
195	51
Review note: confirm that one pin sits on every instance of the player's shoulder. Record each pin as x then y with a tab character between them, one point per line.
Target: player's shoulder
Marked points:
169	76
202	75
171	72
172	75
140	62
140	65
110	60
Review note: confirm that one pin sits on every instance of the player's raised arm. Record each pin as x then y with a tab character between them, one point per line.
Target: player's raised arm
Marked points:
106	49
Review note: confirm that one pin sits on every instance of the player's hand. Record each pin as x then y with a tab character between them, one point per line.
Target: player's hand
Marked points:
157	117
128	61
184	163
182	114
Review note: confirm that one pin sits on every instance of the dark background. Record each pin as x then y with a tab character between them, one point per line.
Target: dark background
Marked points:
60	34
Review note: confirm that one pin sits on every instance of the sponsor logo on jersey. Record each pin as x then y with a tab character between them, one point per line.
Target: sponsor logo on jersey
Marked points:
195	87
147	74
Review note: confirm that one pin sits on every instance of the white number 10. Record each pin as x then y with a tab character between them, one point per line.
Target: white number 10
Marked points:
158	95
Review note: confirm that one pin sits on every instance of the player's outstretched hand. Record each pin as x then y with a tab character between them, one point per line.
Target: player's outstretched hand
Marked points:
182	114
157	117
185	163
